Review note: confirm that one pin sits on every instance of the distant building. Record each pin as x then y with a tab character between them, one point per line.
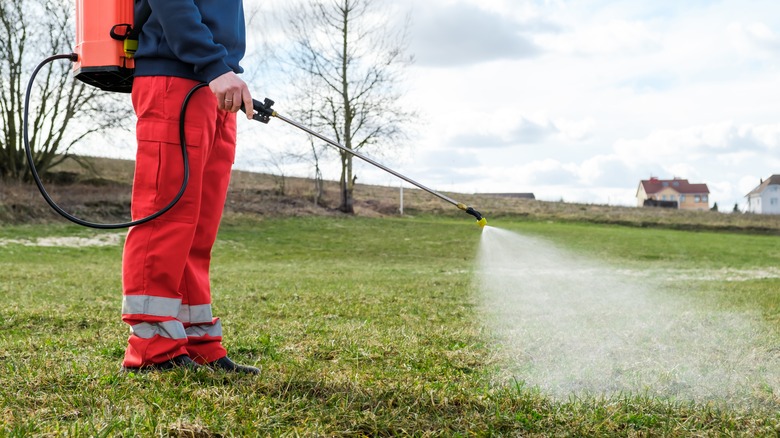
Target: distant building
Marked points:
510	195
765	199
668	192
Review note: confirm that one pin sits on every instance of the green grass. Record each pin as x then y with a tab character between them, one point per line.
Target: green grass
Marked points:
664	249
363	327
661	247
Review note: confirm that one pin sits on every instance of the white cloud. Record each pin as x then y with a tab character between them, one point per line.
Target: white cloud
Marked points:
520	132
606	171
576	130
613	38
464	34
755	35
718	140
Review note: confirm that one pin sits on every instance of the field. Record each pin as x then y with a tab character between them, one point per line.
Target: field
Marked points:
362	326
383	325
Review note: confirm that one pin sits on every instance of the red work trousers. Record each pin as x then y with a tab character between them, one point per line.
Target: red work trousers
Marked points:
165	265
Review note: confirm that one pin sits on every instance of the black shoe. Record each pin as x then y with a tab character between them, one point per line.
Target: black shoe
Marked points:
228	365
182	362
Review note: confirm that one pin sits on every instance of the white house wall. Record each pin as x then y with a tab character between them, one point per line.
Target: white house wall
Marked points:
770	200
754	204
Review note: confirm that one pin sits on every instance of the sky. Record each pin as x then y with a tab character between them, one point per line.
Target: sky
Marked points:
571	100
580	100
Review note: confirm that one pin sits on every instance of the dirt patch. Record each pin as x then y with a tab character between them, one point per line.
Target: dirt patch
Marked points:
723	274
113	239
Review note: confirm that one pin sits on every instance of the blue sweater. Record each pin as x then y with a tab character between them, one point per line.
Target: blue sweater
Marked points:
193	39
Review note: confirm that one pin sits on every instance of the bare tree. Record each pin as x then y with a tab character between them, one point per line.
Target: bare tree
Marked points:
348	61
308	116
279	164
63	111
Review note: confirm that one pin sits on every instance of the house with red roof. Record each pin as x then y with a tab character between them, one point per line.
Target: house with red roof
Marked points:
676	192
765	198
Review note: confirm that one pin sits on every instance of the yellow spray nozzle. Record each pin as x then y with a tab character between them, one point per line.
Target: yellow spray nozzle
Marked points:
481	221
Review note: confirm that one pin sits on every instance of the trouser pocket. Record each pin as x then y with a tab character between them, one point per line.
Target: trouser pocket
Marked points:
159	170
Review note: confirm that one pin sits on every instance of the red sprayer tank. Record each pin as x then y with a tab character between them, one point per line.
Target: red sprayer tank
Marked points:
103	61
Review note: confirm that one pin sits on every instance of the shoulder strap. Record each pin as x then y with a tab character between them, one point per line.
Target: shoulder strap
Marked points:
141	17
131	33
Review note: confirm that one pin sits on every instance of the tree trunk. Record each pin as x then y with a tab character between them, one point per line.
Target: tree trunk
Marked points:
347	184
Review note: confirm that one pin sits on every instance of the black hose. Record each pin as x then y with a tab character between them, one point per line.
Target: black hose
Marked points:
74	57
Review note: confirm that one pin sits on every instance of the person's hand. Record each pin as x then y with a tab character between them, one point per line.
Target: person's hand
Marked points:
231	92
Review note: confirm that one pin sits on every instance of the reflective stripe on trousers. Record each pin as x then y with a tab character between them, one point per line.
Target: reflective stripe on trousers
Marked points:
160	306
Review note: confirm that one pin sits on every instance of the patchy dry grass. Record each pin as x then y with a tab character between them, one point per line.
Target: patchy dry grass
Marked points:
105	196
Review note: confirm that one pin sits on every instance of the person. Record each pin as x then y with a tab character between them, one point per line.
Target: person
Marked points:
165	262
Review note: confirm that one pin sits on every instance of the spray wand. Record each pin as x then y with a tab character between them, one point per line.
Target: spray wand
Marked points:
264	112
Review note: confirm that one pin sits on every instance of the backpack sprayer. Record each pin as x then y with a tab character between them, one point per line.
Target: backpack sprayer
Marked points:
106	40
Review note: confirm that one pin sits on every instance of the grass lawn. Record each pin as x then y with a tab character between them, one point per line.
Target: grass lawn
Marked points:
363	327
